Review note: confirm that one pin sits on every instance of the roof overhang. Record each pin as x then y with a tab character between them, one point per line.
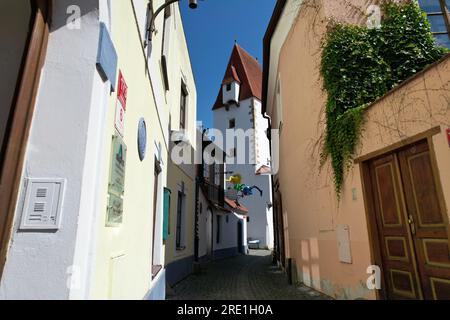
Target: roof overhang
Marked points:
278	11
264	170
236	207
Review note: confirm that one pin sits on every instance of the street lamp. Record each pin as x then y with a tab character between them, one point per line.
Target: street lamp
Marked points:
193	4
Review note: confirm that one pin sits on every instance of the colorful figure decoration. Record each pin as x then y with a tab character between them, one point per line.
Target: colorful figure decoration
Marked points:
248	191
241	187
236	179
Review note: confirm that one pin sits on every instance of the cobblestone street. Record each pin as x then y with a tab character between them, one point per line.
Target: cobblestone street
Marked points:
251	277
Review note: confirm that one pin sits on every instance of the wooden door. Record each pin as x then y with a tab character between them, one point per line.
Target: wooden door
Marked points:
16	113
428	220
410	224
399	267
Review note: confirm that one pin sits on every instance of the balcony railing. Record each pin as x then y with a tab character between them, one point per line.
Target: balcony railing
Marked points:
215	193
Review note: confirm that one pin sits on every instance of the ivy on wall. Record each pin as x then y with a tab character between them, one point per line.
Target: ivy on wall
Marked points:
360	65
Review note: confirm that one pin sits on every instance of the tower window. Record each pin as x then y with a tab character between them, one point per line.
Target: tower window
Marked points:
229	87
232	123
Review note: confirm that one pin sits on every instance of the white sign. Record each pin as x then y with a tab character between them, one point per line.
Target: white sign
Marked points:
121	105
120	118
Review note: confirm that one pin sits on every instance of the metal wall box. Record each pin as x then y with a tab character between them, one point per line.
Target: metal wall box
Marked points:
107	58
43	204
343	235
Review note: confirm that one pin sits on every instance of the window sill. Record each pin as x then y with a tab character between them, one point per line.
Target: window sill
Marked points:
181	248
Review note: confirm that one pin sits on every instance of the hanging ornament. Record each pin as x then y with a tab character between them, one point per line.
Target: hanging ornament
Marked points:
235	179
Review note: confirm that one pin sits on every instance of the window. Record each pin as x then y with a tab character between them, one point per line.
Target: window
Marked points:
155	268
165	45
183	105
219	225
438	15
229	87
181	208
232	123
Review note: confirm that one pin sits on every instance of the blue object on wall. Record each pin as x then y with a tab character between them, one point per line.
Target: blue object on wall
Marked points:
142	139
107	57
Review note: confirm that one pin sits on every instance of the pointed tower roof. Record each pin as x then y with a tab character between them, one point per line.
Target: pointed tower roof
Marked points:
244	69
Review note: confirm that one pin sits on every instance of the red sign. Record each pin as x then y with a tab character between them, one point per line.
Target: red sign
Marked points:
448	136
123	91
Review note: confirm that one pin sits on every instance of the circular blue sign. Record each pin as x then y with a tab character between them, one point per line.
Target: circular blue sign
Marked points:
142	139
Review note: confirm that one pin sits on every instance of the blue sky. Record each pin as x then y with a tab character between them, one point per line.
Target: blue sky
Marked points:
211	30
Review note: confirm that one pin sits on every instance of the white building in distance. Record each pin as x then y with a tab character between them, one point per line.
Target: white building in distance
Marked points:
238	107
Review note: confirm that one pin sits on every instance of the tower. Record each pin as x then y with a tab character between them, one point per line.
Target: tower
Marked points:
237	114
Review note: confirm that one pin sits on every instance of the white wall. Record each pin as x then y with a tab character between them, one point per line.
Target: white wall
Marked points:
96	162
262	153
228	232
38	262
229	236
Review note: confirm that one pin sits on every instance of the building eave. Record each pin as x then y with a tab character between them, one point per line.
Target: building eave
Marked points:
278	11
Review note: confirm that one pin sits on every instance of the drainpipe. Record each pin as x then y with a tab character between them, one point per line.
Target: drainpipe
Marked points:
274	214
198	181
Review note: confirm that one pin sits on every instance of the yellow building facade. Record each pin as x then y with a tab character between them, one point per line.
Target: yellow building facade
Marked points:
126	250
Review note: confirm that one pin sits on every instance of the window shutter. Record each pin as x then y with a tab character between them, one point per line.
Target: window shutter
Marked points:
167	193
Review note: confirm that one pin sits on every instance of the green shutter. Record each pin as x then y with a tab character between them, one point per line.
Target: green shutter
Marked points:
166	222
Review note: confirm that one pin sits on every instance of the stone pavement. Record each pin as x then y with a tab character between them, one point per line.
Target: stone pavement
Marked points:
251	277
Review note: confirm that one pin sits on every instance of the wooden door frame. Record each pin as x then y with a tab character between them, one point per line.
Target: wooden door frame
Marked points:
20	123
369	200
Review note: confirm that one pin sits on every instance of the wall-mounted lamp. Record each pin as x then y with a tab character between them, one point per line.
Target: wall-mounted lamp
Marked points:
193	4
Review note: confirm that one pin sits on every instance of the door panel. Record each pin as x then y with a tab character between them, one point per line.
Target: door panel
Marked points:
396	248
411	224
428	220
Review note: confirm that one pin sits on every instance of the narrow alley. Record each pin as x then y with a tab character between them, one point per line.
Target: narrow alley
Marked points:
244	277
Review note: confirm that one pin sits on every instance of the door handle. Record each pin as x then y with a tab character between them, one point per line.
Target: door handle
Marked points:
412	224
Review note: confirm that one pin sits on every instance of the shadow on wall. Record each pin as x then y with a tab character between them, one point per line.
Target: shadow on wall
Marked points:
67	13
307	272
